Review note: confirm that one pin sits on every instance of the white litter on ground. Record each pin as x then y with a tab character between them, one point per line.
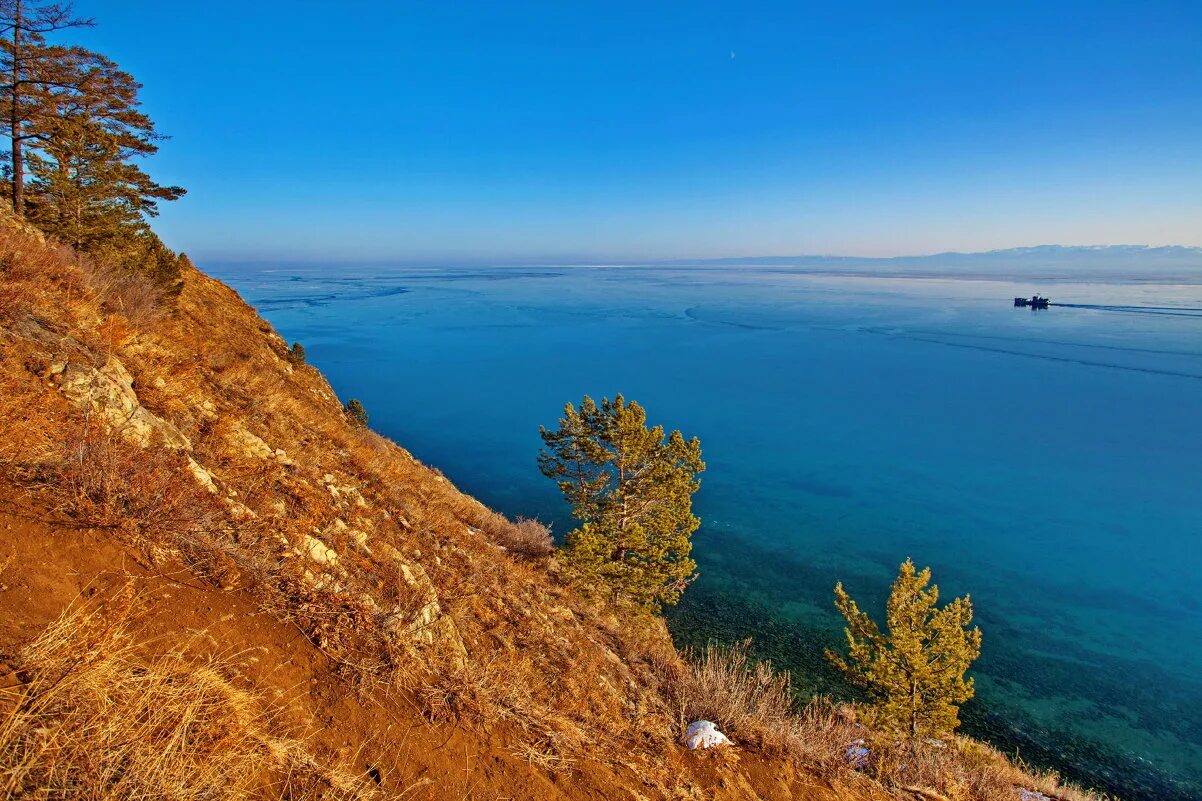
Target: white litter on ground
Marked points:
704	734
858	754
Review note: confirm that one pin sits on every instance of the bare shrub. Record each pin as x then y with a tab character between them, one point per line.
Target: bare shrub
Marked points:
106	482
526	537
91	717
130	293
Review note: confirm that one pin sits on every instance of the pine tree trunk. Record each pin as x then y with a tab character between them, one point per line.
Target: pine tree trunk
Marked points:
18	158
913	709
18	181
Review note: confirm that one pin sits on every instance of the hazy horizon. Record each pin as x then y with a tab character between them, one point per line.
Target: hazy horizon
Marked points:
1192	253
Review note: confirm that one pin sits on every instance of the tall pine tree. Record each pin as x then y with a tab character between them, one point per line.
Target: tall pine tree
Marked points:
86	190
31	69
631	487
75	130
914	673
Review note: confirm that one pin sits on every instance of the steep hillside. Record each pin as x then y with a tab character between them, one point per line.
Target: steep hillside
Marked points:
214	584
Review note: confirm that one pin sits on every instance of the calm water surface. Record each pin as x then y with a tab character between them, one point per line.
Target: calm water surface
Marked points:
1049	463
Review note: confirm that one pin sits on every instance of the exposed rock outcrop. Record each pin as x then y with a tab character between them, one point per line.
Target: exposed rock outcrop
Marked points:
109	391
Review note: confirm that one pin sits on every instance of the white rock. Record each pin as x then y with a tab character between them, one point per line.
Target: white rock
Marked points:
704	734
202	475
110	392
249	443
319	552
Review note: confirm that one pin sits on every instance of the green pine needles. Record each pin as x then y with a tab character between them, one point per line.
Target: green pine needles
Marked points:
76	132
357	414
914	673
631	488
296	354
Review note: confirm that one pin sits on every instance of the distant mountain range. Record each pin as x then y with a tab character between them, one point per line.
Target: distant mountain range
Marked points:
1166	263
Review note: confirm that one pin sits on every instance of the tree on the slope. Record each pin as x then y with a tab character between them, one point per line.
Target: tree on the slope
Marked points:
631	487
75	129
915	672
86	191
31	69
356	412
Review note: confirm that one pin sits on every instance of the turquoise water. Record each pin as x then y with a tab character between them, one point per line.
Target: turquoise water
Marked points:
1049	463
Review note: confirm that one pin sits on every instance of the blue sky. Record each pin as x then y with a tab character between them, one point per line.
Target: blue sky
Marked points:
512	131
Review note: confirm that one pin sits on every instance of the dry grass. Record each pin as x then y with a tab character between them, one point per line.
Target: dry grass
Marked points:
747	699
105	482
962	768
525	537
32	271
755	705
125	293
37	276
91	716
28	411
510	690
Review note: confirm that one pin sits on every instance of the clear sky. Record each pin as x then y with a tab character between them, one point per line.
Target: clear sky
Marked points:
508	130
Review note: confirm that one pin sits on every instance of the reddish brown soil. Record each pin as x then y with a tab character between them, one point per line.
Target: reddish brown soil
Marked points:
49	568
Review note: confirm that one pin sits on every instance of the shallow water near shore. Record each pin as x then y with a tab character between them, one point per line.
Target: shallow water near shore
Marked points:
1047	462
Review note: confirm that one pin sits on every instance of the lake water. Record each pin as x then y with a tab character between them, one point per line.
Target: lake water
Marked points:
1049	463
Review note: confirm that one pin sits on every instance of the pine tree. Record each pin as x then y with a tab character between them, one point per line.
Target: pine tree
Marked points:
86	191
914	673
31	70
631	487
355	411
74	125
296	354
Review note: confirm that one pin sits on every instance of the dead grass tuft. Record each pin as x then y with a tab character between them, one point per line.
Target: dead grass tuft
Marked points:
525	537
92	717
128	293
747	699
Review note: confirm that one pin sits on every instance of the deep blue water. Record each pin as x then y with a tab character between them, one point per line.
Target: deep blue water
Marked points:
1049	463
